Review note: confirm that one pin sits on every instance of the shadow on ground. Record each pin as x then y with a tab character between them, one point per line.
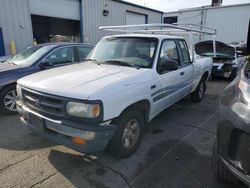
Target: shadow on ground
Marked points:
15	136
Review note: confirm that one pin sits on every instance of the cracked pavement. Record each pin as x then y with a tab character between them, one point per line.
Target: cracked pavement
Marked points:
175	152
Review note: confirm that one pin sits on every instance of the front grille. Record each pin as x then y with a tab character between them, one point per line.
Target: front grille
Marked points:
49	105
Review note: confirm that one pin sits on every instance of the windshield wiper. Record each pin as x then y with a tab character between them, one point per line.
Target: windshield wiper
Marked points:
121	63
12	63
93	61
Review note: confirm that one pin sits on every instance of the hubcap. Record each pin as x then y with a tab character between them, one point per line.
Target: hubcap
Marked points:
10	100
201	91
131	134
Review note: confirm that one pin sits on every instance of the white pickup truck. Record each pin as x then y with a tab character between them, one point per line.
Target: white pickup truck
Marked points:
107	101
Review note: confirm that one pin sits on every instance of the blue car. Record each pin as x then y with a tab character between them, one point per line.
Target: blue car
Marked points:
34	59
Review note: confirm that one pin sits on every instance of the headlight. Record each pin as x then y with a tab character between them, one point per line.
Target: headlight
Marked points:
83	110
19	92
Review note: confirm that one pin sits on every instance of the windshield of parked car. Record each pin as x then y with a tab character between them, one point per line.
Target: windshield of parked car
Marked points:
29	55
125	51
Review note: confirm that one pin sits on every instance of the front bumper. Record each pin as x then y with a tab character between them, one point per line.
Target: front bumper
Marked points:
243	177
97	138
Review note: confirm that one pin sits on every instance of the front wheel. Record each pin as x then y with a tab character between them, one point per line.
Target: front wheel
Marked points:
8	100
128	136
199	92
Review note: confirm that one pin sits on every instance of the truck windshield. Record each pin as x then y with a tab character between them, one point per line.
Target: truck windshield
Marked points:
29	55
125	51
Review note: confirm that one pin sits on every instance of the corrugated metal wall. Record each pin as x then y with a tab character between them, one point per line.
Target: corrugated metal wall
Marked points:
231	22
15	23
93	17
15	17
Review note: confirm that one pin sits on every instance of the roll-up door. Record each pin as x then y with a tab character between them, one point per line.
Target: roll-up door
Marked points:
135	18
67	9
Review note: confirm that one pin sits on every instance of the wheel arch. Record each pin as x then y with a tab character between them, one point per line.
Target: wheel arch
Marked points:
8	85
205	76
142	105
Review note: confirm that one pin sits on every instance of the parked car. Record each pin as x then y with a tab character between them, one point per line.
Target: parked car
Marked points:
232	148
4	58
226	63
231	159
107	101
34	59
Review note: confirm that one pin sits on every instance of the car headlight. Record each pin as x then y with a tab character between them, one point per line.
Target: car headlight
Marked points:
83	110
19	92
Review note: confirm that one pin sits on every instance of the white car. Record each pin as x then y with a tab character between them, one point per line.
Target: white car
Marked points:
107	101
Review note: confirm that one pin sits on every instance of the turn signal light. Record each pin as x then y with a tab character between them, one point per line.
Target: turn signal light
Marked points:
79	141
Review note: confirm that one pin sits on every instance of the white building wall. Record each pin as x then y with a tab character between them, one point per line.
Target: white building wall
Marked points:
231	22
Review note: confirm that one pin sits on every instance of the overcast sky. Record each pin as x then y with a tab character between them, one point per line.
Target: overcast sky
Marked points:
173	5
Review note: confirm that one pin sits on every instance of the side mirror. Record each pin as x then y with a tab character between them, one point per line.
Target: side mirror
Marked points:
169	64
46	63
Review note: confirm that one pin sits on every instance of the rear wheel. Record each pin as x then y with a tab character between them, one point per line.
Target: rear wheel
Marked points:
8	100
220	169
128	136
198	94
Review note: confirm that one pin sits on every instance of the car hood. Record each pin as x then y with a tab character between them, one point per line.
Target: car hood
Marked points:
78	81
7	67
223	51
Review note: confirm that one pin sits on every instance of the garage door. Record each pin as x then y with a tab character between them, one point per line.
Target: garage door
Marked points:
67	9
135	18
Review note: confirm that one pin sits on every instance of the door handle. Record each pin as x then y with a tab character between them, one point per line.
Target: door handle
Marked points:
182	73
153	86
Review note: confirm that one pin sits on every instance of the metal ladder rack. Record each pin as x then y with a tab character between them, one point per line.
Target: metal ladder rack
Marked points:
177	29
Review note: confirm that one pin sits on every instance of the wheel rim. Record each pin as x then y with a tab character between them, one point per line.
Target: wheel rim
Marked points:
201	91
10	100
131	134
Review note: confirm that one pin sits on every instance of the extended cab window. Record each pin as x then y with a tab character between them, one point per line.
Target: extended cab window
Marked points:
83	52
61	56
185	53
168	52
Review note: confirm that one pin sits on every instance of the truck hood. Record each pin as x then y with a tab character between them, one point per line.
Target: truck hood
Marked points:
7	67
78	81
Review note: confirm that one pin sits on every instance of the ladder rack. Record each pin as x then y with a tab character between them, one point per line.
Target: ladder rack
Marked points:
177	29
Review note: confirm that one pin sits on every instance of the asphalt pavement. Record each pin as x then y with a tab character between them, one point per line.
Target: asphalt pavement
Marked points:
175	152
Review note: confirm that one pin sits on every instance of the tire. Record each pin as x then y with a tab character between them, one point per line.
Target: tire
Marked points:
199	92
8	96
233	75
125	122
220	169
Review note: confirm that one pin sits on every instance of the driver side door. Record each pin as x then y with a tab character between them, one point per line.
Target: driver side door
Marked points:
170	82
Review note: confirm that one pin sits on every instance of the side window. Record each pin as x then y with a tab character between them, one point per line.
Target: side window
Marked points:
62	56
168	52
83	52
184	49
